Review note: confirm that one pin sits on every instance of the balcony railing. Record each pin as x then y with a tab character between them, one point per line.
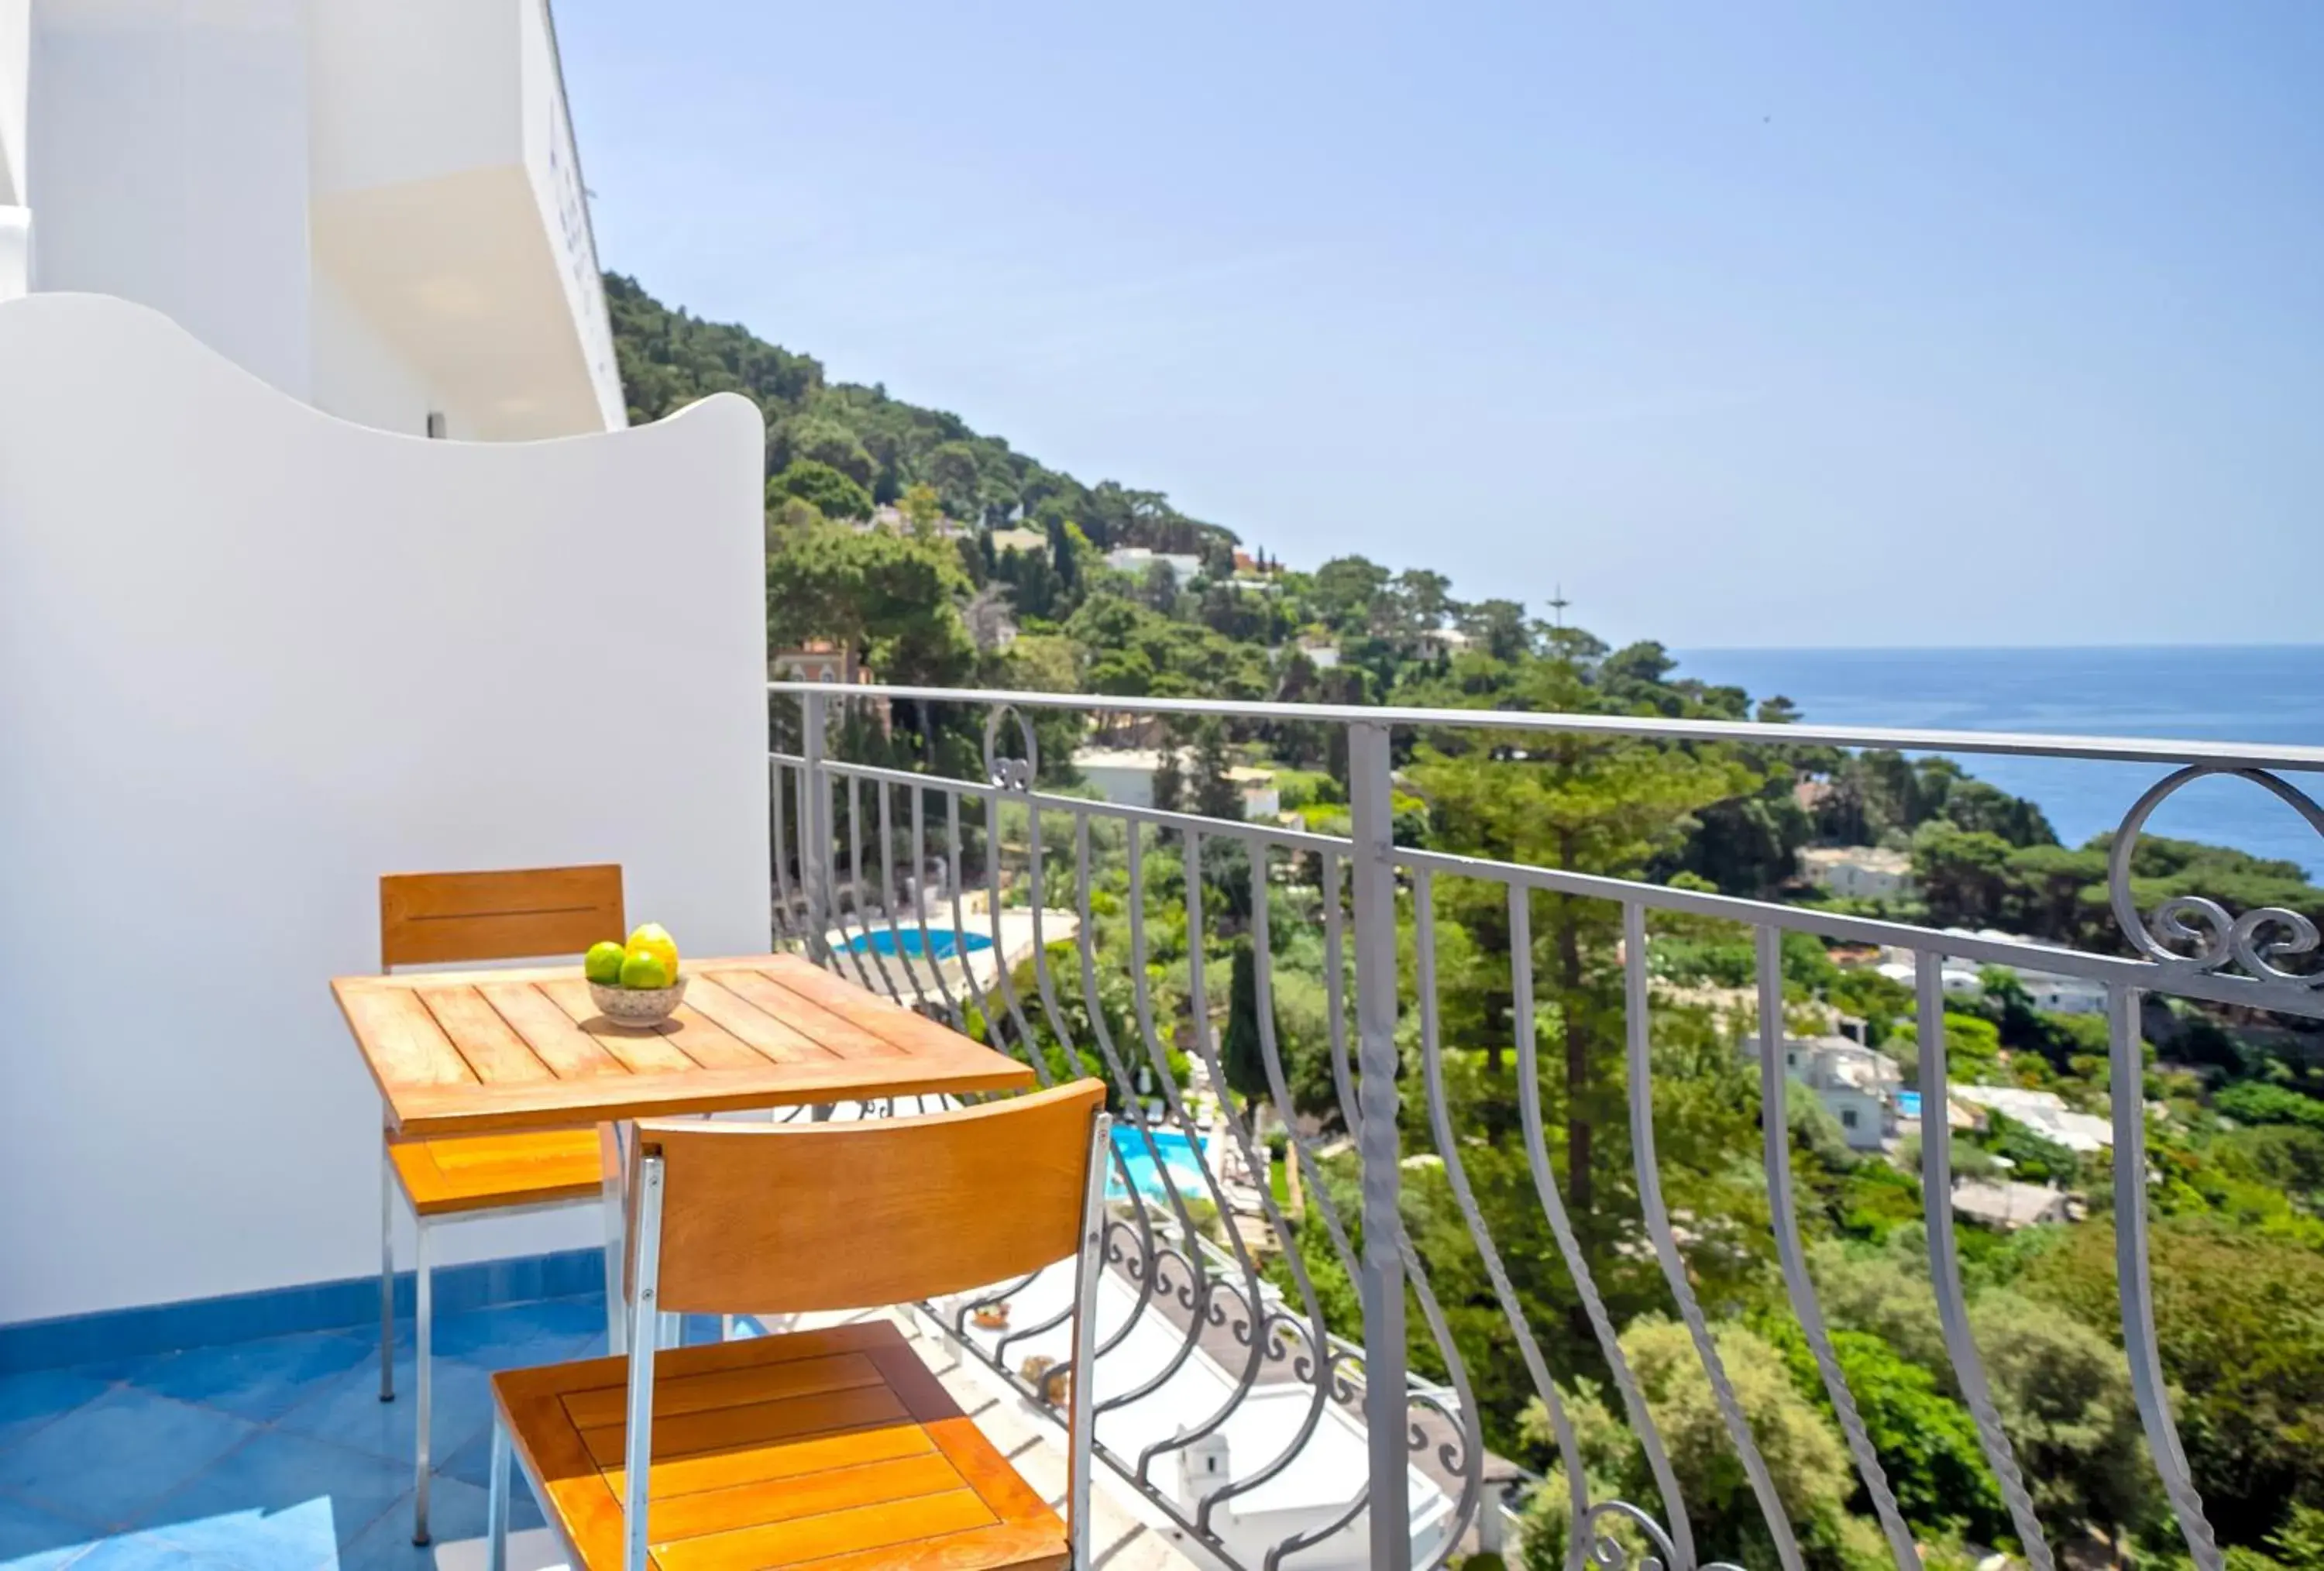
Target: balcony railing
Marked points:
948	893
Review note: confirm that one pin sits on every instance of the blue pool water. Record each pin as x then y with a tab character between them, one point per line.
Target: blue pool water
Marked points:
1179	1154
942	943
1908	1104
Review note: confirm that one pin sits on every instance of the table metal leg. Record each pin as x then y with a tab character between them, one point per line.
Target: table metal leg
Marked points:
423	1292
386	1274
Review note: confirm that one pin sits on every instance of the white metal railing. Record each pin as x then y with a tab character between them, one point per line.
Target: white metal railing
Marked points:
839	840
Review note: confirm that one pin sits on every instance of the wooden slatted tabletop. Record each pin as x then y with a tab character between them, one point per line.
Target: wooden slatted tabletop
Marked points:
474	1051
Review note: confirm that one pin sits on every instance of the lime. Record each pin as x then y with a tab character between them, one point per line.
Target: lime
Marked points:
653	939
643	968
604	964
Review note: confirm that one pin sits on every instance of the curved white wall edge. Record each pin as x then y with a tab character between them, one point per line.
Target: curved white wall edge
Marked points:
252	656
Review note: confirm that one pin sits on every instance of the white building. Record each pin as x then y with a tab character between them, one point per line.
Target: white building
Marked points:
1856	1084
1960	978
1121	775
2008	1205
2044	1113
1261	802
1321	654
1858	871
376	206
1125	777
2052	991
1139	562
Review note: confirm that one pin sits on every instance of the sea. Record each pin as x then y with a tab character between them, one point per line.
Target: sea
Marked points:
2194	693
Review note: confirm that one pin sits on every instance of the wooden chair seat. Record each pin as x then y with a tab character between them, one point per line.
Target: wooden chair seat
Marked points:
490	1172
835	1447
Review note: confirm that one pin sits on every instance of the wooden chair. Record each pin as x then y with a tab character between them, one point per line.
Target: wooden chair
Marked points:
833	1447
449	918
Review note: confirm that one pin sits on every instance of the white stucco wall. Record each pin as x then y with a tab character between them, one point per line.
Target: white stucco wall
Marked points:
360	377
252	657
167	161
15	64
413	89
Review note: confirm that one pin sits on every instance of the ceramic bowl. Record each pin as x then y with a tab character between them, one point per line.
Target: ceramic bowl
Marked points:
638	1008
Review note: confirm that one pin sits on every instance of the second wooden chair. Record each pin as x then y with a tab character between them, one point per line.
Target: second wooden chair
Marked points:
436	918
836	1448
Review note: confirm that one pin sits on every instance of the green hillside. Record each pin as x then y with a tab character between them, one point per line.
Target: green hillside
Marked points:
669	358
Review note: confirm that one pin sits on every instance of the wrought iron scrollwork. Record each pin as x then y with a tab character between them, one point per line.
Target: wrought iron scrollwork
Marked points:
1606	1552
2194	933
1010	775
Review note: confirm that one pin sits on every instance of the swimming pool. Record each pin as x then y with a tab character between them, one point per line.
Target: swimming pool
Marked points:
1908	1104
1179	1154
942	943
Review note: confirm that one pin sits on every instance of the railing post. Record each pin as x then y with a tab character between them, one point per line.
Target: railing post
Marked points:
1371	816
814	825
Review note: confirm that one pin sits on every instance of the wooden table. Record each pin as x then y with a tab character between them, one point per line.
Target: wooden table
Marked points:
474	1052
469	1052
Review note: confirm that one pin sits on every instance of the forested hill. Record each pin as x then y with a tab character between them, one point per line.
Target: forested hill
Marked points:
669	358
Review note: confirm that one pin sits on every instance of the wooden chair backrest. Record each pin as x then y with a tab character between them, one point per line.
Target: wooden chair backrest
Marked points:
786	1218
515	914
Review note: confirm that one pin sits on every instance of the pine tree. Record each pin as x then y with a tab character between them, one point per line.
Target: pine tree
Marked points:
1243	1053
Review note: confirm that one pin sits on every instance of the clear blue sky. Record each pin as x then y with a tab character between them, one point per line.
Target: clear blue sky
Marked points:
1845	324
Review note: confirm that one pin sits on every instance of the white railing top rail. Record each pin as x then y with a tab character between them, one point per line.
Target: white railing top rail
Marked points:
2117	749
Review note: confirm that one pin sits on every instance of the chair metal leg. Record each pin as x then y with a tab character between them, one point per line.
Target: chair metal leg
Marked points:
386	1275
423	1285
496	1502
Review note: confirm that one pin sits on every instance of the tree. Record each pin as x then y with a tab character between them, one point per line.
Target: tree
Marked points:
1170	781
2257	1102
921	506
1581	804
2066	1403
1159	587
1345	590
1803	1452
1499	626
894	601
1243	1053
821	439
952	468
1216	795
2237	1321
1926	1441
828	491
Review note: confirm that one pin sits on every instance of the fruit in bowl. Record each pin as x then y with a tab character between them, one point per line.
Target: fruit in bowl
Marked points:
636	984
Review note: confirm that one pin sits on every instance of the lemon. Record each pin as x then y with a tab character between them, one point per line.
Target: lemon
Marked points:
602	963
641	969
653	939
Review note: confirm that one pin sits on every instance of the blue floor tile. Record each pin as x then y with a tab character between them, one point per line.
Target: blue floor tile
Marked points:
455	1510
108	1462
29	1401
348	1410
471	1465
32	1540
150	1552
260	1380
521	1334
279	1499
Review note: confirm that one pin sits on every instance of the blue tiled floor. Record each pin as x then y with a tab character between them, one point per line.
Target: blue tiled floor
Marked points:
270	1456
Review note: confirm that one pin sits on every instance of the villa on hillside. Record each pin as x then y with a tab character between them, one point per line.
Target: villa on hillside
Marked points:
1139	562
1858	871
2052	991
2044	1113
